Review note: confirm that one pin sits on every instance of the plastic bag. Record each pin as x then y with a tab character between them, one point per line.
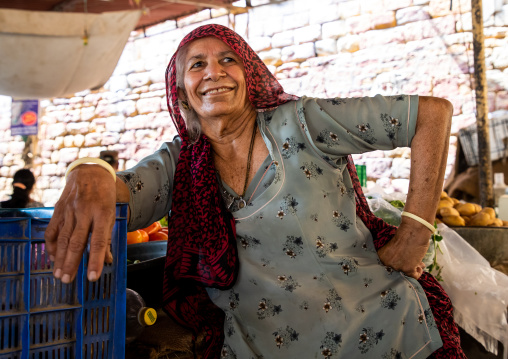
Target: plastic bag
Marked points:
384	210
478	292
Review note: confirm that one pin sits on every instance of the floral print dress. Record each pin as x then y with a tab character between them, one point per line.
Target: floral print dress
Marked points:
310	283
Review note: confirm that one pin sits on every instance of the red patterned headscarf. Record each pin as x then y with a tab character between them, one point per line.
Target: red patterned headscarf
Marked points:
202	248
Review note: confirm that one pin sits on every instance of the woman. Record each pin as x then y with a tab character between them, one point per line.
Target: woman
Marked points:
22	183
315	274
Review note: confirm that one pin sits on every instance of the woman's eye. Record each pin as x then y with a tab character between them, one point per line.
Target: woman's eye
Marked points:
229	59
197	64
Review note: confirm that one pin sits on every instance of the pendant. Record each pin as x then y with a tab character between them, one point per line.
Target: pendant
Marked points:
241	203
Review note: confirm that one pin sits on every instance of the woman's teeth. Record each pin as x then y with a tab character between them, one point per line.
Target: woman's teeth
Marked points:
217	91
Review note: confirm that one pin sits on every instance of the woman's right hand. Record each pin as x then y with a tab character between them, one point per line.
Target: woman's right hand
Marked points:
87	204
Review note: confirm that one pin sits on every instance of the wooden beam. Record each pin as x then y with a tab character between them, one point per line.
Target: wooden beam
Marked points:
210	5
482	119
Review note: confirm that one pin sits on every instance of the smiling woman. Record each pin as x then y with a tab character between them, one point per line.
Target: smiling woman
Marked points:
272	249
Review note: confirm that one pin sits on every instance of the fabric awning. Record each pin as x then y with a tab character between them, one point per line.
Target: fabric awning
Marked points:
43	54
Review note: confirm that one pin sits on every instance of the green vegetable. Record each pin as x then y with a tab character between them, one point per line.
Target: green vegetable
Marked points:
397	203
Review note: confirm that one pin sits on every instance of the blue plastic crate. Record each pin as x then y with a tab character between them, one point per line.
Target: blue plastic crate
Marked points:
41	317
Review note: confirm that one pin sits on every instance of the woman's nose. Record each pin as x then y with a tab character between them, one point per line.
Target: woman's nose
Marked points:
214	72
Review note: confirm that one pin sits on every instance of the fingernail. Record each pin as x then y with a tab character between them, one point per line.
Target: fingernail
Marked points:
66	278
92	276
52	258
58	273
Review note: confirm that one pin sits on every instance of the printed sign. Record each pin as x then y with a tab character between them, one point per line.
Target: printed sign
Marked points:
24	115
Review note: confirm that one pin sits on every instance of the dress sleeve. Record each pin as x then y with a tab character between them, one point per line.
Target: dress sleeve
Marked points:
343	126
150	184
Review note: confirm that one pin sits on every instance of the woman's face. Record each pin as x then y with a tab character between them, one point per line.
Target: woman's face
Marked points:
214	80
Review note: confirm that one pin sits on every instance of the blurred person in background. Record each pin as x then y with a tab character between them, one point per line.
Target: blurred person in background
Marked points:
22	184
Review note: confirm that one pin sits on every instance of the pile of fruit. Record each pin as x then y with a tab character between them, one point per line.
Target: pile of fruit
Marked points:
154	232
452	212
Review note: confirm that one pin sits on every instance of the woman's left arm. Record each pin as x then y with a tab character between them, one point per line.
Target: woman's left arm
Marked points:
429	151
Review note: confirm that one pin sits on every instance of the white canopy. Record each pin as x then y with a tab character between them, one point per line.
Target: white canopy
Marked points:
43	55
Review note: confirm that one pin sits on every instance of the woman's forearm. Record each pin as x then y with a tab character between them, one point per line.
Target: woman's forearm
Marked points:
429	152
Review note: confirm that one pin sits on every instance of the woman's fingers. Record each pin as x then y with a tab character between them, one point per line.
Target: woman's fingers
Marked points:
100	241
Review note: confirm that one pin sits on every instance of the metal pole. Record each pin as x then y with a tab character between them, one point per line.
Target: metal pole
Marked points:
482	120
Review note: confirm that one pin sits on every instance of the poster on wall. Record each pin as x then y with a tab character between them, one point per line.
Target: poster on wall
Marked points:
24	117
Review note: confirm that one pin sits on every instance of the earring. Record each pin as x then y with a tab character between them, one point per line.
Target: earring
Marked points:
185	105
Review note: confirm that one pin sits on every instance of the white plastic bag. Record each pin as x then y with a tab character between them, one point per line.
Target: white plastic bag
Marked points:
478	292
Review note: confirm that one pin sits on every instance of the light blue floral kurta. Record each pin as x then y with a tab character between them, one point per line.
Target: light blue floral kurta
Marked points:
310	283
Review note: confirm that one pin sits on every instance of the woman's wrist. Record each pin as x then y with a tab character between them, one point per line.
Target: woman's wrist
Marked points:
88	160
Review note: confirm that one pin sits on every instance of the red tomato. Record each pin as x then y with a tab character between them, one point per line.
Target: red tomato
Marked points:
153	228
164	229
159	236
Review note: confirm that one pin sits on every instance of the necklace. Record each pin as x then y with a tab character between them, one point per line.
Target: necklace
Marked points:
228	198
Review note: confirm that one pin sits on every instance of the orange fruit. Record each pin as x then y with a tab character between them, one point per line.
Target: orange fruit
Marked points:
159	236
138	236
134	237
153	228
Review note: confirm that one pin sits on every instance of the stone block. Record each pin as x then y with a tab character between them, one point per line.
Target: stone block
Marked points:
383	20
349	9
348	43
136	122
323	14
79	140
412	14
92	139
115	124
4	148
128	137
326	47
501	18
157	76
500	57
55	130
298	53
92	99
148	105
68	141
4	171
117	83
273	26
109	138
359	24
295	21
127	108
92	151
438	27
138	79
272	57
282	39
397	4
77	127
334	29
502	100
49	169
105	108
438	8
67	155
87	113
307	34
16	147
260	43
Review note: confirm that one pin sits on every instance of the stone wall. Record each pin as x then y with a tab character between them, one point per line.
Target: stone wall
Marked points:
317	48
